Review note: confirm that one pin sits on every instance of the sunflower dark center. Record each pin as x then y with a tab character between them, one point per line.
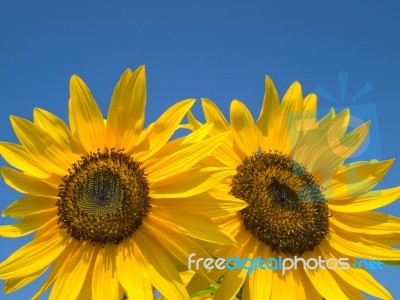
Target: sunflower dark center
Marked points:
104	198
287	209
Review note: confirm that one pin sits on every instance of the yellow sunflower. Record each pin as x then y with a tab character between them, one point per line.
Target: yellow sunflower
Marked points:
109	202
304	200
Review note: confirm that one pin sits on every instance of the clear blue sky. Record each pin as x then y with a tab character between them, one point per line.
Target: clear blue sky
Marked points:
216	49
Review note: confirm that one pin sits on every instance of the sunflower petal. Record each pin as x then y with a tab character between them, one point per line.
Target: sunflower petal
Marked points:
59	263
105	286
357	247
70	280
126	113
324	282
86	290
213	115
309	120
163	274
283	287
357	277
260	281
288	121
29	258
270	107
186	184
162	130
28	184
342	148
183	159
176	244
231	284
28	224
29	205
16	156
204	204
194	225
86	116
179	144
14	284
54	126
356	180
368	222
244	129
49	154
133	275
193	122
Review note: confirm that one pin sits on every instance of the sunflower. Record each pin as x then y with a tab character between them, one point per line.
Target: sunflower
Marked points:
109	201
305	200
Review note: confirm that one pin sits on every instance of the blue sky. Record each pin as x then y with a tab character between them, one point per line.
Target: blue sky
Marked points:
195	49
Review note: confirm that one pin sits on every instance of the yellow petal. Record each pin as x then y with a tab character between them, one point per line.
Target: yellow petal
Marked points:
288	122
105	283
356	180
86	116
29	205
59	263
231	284
28	184
213	115
70	281
29	224
54	126
313	141
14	284
86	290
198	134
19	158
183	159
163	274
231	223
260	281
244	129
270	107
324	281
205	204
179	144
356	246
357	277
193	121
193	225
368	222
342	148
189	183
132	274
30	259
126	113
113	135
175	243
283	286
227	155
351	292
309	121
49	154
369	201
304	287
162	130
